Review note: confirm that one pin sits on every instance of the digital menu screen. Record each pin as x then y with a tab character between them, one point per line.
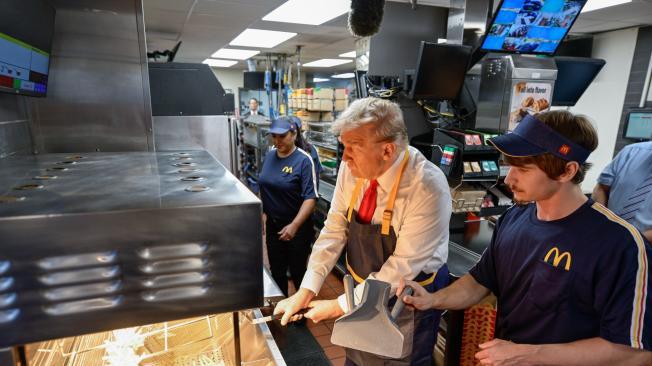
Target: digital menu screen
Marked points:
531	26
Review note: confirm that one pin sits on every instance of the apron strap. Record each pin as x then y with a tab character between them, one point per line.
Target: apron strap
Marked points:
354	197
359	279
389	210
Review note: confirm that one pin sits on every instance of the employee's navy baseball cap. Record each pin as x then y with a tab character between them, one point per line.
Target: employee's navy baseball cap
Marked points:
282	125
532	137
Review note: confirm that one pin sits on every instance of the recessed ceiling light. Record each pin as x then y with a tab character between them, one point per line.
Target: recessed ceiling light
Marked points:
319	80
346	75
234	54
261	38
327	62
348	54
308	12
599	4
219	63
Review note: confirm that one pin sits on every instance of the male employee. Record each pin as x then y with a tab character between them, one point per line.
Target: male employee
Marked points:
253	109
390	211
572	279
625	186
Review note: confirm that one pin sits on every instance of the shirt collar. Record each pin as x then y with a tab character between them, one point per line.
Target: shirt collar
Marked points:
386	180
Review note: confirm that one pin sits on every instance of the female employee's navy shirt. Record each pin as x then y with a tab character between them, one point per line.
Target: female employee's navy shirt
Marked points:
583	276
286	182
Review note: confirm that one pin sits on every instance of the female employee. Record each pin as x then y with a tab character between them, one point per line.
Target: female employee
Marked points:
288	189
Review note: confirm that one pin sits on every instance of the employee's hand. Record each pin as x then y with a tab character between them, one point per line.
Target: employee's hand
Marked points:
498	352
290	306
288	232
324	310
420	299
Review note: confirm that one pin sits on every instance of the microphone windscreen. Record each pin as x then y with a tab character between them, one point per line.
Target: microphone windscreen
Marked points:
365	17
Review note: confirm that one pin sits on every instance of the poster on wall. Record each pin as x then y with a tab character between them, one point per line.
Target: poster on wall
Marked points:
528	98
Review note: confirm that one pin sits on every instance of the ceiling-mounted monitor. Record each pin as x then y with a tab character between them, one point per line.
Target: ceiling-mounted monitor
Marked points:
531	26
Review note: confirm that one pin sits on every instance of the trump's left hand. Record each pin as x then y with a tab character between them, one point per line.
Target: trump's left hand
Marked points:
323	310
498	352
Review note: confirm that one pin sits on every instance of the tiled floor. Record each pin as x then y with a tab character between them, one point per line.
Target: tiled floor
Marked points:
322	331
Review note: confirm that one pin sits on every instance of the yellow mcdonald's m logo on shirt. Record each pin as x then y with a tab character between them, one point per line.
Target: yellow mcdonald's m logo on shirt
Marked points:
287	169
557	258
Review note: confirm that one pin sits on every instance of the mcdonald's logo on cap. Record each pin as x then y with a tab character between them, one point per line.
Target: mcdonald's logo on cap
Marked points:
557	257
287	169
564	149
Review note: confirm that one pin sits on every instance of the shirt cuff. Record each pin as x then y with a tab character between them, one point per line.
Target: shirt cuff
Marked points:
342	301
312	281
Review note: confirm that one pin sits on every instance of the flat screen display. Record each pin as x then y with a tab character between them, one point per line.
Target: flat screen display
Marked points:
531	26
639	125
26	32
440	71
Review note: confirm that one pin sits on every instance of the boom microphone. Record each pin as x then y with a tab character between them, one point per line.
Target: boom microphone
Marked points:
365	17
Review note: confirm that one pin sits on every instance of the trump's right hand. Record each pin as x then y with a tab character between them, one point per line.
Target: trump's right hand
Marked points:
290	306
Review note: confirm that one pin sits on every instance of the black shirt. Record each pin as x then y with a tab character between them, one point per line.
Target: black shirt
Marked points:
582	276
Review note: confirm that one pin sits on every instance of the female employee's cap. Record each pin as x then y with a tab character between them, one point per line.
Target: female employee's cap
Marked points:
532	137
282	125
296	121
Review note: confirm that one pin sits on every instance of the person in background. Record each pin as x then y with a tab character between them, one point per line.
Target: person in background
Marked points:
253	109
303	143
390	212
288	190
625	186
571	278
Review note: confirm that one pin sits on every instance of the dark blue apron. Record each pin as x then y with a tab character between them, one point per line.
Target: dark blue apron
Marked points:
367	249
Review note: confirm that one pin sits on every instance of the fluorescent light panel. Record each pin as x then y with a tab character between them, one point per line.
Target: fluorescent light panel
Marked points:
346	75
599	4
348	54
219	63
327	62
319	80
233	54
261	38
308	11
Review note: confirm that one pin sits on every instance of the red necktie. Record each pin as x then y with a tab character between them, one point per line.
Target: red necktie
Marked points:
368	205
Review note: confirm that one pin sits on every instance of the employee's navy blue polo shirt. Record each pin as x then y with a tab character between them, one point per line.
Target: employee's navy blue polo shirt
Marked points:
286	182
586	275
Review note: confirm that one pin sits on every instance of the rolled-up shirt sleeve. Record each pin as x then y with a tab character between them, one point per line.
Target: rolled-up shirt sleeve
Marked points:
612	170
332	238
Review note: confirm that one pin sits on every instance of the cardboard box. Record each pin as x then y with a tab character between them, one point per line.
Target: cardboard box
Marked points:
321	105
341	104
341	94
322	93
313	116
327	117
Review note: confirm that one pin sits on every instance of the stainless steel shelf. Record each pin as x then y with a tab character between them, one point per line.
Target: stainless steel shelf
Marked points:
323	145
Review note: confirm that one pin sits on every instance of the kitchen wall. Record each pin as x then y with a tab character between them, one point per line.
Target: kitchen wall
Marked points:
98	87
603	100
640	62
